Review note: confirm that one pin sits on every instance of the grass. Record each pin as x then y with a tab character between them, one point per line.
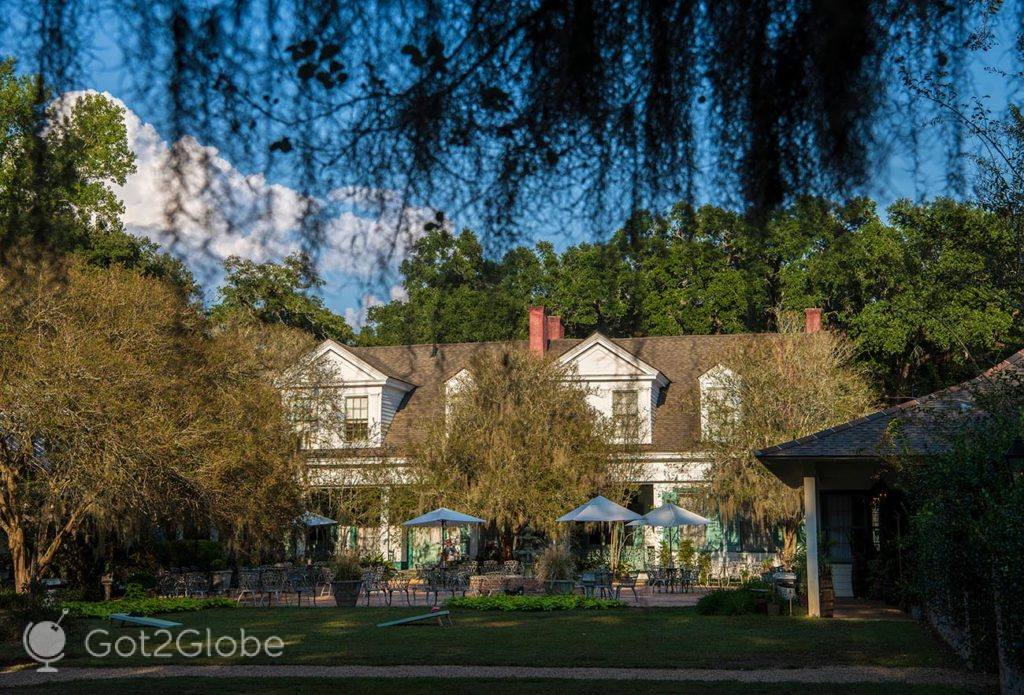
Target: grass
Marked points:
424	686
673	638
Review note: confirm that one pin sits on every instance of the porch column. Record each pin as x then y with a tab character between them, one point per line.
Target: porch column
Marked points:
811	534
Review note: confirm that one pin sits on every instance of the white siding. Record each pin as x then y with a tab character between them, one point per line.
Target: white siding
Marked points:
391	398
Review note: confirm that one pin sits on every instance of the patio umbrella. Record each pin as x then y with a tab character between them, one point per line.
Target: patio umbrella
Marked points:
599	509
442	516
669	515
314	520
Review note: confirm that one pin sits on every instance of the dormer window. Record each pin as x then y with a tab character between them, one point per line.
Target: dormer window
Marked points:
459	383
356	403
357	418
720	403
620	386
626	413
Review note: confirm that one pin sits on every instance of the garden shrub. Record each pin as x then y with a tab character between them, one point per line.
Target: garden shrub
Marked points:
18	610
198	553
728	602
555	564
143	606
504	602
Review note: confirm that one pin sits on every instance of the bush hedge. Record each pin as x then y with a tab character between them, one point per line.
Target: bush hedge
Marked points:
17	610
533	603
728	602
143	606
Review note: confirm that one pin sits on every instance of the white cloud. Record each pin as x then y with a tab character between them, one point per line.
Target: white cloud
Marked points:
189	198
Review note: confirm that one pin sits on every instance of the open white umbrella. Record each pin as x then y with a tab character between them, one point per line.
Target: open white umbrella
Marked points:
442	516
599	509
669	515
314	520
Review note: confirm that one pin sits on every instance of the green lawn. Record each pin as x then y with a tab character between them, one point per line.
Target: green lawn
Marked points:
415	686
627	638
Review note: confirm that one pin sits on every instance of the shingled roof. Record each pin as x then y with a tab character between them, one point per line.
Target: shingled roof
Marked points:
682	359
921	424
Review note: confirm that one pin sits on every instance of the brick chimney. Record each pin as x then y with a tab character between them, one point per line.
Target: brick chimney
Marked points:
538	330
812	320
555	330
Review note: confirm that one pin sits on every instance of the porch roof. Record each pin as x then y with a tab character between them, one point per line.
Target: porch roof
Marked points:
918	427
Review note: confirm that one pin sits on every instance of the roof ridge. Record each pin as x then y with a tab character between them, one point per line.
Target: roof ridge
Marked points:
466	342
524	340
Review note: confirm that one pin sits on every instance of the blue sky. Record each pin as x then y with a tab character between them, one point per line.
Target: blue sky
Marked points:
349	285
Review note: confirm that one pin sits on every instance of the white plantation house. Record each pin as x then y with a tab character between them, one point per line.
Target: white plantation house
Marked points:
385	395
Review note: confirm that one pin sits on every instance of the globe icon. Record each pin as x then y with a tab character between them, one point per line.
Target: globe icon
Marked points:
44	642
46	639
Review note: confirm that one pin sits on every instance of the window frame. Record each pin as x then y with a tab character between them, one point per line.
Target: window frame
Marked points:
357	430
632	411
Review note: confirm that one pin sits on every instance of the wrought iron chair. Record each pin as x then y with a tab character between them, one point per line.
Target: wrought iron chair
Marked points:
249	585
399	583
373	582
627	581
197	584
171	584
302	582
322	577
273	583
514	567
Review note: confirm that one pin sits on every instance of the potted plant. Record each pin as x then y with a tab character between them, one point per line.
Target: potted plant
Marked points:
220	576
555	567
348	579
828	591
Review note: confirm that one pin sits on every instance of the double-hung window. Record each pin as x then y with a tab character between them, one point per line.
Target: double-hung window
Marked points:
626	413
357	418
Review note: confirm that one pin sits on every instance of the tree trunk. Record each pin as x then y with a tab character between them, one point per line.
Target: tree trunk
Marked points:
20	561
1011	680
789	534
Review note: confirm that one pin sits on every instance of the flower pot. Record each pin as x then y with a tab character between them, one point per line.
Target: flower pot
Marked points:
346	591
828	597
558	587
220	581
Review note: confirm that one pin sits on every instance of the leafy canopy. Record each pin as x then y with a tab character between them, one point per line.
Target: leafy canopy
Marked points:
519	445
928	296
59	162
122	411
785	387
278	293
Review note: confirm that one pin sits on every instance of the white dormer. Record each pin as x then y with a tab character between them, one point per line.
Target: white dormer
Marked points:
354	401
622	386
455	385
720	403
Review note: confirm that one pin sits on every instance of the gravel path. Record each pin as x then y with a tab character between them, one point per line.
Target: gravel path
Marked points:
838	674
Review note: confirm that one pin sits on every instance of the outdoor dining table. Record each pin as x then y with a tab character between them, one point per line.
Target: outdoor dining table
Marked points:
594	581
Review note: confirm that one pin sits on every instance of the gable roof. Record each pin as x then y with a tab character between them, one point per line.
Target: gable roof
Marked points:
680	359
623	356
920	422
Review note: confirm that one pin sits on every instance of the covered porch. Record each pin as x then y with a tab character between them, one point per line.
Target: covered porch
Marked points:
851	520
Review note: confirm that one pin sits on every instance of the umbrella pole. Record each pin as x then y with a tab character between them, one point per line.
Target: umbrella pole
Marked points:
442	562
